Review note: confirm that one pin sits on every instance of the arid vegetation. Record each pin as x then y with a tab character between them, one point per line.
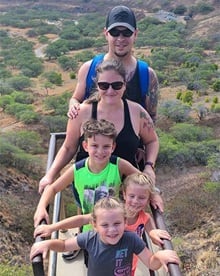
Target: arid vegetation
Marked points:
42	48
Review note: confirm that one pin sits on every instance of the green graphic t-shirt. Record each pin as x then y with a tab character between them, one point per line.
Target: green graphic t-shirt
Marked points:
90	187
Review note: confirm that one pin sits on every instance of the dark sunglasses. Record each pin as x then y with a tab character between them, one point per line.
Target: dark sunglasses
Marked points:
117	85
116	32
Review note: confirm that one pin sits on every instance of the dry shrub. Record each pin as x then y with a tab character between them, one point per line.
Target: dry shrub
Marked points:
187	210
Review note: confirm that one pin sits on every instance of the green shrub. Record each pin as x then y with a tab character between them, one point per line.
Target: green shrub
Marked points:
5	88
180	154
184	132
29	117
187	97
179	95
27	164
216	108
216	86
215	100
175	110
180	9
16	108
12	156
201	151
19	82
5	100
29	141
213	187
202	111
58	103
55	123
72	75
23	112
68	63
204	8
43	39
172	152
212	107
23	97
84	56
214	160
15	270
4	73
54	77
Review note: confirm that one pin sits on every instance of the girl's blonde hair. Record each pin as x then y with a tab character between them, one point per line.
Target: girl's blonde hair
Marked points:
141	179
107	203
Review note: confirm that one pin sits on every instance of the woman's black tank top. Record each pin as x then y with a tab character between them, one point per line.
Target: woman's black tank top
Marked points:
127	141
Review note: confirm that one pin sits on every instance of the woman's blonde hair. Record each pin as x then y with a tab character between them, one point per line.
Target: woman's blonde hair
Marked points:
107	203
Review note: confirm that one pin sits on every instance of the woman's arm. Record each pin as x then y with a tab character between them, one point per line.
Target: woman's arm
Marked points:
150	140
149	136
144	126
126	168
66	152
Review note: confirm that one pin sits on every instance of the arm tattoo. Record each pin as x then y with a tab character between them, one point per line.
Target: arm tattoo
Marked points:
153	94
147	120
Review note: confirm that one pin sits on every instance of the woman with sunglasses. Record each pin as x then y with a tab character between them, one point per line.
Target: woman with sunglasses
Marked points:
131	121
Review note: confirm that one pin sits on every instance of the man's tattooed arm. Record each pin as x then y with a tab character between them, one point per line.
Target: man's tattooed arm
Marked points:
153	95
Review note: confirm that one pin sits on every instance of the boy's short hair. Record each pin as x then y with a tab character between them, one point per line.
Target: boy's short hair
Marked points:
103	127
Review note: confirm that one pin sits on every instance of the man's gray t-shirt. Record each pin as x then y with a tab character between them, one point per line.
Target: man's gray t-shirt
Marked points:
110	260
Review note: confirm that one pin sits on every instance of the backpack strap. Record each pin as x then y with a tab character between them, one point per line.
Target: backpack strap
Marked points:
144	79
80	164
113	159
92	73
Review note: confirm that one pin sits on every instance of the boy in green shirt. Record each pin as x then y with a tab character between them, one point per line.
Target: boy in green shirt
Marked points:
94	177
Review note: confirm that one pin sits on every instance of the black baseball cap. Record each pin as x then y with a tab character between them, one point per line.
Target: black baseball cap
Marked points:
121	16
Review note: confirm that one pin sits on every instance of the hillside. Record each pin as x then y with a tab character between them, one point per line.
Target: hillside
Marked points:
199	247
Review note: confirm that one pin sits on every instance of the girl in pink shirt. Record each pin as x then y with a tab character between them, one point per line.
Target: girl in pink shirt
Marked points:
137	189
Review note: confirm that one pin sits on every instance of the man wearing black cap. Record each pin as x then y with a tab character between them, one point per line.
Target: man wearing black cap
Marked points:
121	32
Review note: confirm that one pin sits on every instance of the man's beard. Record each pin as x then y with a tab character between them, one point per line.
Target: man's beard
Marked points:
121	55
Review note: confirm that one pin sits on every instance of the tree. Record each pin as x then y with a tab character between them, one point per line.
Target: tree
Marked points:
47	85
52	52
68	63
54	77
